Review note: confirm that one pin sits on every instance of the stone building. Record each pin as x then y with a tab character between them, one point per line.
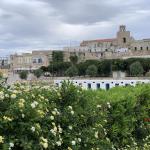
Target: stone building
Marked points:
30	61
123	42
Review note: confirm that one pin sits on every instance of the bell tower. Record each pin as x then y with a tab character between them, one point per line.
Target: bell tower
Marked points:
123	37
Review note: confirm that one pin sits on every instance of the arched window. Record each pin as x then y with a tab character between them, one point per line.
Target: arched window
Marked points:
135	48
141	48
124	40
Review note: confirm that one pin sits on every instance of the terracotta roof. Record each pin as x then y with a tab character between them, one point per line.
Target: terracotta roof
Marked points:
98	40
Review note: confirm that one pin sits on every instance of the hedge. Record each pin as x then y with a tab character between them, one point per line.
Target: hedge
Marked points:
34	117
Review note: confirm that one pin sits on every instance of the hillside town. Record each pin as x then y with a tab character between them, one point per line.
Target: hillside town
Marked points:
122	47
74	75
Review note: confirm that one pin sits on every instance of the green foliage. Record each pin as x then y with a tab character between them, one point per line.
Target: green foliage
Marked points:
38	73
23	75
105	68
136	69
71	71
35	117
58	68
91	71
57	56
119	65
74	59
1	75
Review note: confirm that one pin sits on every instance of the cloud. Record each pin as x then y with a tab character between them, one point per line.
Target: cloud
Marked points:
46	24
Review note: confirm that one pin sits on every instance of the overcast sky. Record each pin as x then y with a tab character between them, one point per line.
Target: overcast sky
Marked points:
46	24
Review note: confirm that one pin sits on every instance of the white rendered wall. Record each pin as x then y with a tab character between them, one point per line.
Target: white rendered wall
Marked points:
112	83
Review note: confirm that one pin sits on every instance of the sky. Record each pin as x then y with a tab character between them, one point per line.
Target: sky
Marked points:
27	25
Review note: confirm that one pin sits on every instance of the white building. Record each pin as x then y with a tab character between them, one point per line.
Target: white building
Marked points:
103	83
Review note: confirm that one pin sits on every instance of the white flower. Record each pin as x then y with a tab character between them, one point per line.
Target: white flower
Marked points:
73	142
55	109
34	104
58	143
44	142
1	139
72	112
45	145
109	106
52	117
70	107
33	129
96	135
99	106
13	96
6	95
54	112
22	115
79	139
11	144
70	127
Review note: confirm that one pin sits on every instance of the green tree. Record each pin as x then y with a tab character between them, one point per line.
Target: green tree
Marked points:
1	75
38	73
23	75
91	71
71	71
74	59
105	68
136	69
57	56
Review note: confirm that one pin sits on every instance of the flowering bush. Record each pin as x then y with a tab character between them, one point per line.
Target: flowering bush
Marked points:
69	118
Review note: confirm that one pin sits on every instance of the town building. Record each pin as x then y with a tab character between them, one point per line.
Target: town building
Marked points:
122	45
4	66
30	61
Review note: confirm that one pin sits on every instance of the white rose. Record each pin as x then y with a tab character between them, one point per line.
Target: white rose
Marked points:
52	117
73	142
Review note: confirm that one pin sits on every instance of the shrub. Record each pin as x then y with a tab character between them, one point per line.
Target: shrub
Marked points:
23	75
41	117
91	71
71	71
38	73
136	69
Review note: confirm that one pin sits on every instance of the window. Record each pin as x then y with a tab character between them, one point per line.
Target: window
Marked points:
98	85
117	84
34	61
106	50
141	48
126	84
80	84
40	60
89	85
124	40
135	48
147	48
107	86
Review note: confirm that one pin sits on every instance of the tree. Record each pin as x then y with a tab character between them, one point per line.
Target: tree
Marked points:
23	75
38	73
136	69
57	56
74	59
1	75
91	71
72	71
105	68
